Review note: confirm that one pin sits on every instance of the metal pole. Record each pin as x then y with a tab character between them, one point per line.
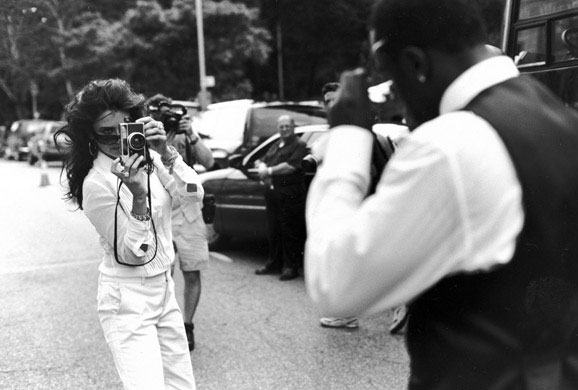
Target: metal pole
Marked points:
508	9
280	61
34	94
201	42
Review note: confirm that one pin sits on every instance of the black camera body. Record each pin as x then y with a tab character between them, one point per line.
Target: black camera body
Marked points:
309	164
172	117
132	140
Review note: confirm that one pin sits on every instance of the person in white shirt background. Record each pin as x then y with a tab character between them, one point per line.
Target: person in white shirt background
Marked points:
452	225
189	229
129	204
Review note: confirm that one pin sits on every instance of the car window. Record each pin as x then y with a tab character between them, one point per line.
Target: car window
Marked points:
221	123
309	137
263	120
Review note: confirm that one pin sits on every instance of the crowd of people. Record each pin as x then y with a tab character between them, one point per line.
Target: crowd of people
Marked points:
470	230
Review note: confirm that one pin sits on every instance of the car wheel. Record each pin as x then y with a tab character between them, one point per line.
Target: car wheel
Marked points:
215	239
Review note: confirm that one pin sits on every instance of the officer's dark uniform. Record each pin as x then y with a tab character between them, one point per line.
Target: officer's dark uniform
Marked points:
285	199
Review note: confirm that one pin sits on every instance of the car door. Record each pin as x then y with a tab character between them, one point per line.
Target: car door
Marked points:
242	199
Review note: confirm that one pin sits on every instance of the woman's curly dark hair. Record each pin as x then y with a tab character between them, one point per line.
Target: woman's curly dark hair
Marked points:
81	113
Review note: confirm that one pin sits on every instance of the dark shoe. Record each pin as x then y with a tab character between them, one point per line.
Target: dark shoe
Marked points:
190	335
288	274
268	270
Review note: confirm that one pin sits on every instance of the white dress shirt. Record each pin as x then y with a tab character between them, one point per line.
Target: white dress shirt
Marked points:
99	204
449	201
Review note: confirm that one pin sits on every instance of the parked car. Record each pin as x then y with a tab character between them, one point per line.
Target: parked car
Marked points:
240	195
238	126
42	146
20	133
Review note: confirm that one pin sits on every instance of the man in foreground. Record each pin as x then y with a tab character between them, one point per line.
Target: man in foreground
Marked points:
475	218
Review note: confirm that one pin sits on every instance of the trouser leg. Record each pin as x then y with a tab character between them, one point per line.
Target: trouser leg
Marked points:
176	359
128	314
274	232
293	231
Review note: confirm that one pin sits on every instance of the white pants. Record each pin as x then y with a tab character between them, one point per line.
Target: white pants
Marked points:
144	329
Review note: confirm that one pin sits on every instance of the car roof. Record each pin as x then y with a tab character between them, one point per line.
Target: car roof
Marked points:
187	104
249	103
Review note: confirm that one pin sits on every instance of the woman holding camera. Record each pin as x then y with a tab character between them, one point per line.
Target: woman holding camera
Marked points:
129	204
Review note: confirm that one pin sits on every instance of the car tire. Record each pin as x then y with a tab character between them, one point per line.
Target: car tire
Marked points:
215	239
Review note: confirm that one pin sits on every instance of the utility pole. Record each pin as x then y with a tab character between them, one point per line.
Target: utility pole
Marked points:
34	95
203	96
280	76
280	61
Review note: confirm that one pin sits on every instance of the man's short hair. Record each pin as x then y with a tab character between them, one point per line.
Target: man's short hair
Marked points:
157	100
329	87
446	25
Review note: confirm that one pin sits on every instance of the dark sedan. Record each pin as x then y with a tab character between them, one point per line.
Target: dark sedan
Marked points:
240	195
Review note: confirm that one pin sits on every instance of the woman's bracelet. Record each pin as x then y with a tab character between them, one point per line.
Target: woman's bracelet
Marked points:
142	217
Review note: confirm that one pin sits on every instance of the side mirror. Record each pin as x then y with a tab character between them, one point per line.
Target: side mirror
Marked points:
236	161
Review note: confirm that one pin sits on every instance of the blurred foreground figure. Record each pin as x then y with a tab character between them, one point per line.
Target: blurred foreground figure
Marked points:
475	219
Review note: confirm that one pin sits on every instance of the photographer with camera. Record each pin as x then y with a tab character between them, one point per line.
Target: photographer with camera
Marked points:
124	176
189	230
475	218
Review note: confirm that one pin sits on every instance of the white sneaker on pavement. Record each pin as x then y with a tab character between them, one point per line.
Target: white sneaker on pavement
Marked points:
330	322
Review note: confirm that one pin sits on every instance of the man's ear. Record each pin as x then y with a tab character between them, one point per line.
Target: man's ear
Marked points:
415	63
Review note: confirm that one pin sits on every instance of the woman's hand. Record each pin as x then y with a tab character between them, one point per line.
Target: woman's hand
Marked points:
131	175
155	135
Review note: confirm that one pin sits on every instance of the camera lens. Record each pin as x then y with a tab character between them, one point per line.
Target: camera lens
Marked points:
136	141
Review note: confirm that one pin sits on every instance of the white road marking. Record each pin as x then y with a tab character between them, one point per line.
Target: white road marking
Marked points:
35	268
220	257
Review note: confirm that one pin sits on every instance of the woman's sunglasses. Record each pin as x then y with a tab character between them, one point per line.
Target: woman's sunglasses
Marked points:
106	139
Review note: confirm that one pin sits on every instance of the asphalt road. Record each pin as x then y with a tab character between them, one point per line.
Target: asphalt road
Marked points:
252	332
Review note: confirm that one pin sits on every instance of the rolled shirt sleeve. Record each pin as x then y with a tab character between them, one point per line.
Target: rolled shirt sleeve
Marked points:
183	182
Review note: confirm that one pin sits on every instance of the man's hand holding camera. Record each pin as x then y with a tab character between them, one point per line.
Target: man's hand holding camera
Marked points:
352	106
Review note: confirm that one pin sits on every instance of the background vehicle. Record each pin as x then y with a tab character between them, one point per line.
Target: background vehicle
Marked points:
42	146
240	195
542	37
238	126
19	134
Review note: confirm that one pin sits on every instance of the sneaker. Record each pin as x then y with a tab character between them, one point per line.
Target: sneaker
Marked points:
349	322
400	315
189	330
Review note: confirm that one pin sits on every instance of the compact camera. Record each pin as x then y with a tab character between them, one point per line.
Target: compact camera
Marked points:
132	140
171	117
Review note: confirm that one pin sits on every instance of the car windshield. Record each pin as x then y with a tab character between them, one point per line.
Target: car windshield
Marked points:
223	123
264	120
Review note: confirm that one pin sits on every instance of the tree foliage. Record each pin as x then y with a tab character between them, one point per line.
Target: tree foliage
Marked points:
59	45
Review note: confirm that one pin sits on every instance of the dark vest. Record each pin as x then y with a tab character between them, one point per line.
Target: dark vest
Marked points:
515	327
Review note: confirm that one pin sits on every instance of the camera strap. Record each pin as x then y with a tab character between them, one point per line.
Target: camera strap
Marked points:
152	222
